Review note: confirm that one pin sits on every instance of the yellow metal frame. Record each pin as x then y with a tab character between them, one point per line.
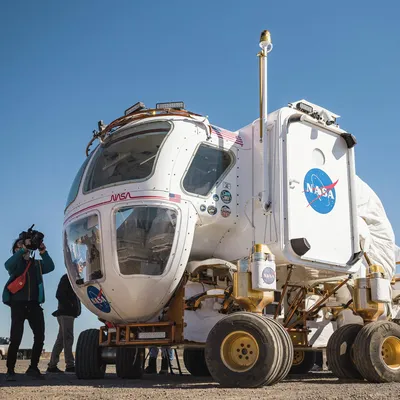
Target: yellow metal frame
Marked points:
127	334
252	300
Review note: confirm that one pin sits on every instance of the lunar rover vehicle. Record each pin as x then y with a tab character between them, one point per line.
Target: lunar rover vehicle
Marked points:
251	249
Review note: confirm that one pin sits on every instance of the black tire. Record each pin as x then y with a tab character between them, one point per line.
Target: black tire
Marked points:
304	366
287	350
129	362
370	352
88	361
339	352
265	343
274	378
195	361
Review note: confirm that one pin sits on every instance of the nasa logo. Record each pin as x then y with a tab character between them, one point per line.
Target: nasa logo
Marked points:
268	275
98	299
121	196
320	191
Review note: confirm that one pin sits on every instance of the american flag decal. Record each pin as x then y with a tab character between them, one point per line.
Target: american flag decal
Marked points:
175	197
227	135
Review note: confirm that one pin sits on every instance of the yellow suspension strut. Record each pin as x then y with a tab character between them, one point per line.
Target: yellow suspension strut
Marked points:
244	293
364	306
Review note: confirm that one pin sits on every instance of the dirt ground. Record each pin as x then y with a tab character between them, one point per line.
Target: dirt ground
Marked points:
317	385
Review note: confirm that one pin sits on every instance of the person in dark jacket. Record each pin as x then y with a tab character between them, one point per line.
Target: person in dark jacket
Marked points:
69	308
25	304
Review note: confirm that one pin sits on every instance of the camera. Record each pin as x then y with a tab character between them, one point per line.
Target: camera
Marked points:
329	119
35	237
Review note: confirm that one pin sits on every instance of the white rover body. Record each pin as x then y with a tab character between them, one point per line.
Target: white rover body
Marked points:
180	233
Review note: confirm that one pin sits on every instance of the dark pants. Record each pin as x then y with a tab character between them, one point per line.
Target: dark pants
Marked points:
34	314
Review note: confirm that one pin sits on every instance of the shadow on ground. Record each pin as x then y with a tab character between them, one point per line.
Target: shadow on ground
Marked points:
157	381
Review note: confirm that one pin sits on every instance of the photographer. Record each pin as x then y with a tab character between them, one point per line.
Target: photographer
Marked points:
24	292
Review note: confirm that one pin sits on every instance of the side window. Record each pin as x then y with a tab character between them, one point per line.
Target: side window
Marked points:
208	166
73	192
82	249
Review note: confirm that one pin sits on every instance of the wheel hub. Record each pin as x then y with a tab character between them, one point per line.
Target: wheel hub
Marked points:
239	351
298	357
390	352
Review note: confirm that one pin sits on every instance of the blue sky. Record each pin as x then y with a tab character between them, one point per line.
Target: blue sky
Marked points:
66	65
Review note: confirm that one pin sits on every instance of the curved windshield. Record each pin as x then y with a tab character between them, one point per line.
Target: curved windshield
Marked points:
73	192
144	239
82	249
129	157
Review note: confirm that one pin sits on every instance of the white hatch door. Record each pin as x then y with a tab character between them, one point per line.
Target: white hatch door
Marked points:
318	202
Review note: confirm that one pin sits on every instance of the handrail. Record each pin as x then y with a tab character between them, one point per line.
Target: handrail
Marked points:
136	116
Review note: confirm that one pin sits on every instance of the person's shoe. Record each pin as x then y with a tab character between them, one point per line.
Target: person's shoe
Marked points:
34	372
316	368
164	366
70	370
152	367
10	376
54	370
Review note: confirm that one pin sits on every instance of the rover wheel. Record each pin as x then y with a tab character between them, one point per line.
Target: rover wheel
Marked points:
377	352
243	350
339	352
129	362
195	362
303	361
88	361
287	350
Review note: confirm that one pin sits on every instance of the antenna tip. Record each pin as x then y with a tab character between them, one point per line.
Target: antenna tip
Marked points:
265	39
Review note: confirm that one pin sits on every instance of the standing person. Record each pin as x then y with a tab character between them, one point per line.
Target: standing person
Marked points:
167	356
69	308
25	302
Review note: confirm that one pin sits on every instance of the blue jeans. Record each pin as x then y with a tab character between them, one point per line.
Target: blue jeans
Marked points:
166	352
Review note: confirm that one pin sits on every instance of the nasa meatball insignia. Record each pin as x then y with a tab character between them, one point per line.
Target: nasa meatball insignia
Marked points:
268	275
98	299
319	191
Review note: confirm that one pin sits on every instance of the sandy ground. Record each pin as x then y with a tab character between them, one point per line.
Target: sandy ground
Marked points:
318	385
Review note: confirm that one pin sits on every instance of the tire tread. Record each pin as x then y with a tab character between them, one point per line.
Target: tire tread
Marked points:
88	363
129	362
337	364
195	362
367	349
